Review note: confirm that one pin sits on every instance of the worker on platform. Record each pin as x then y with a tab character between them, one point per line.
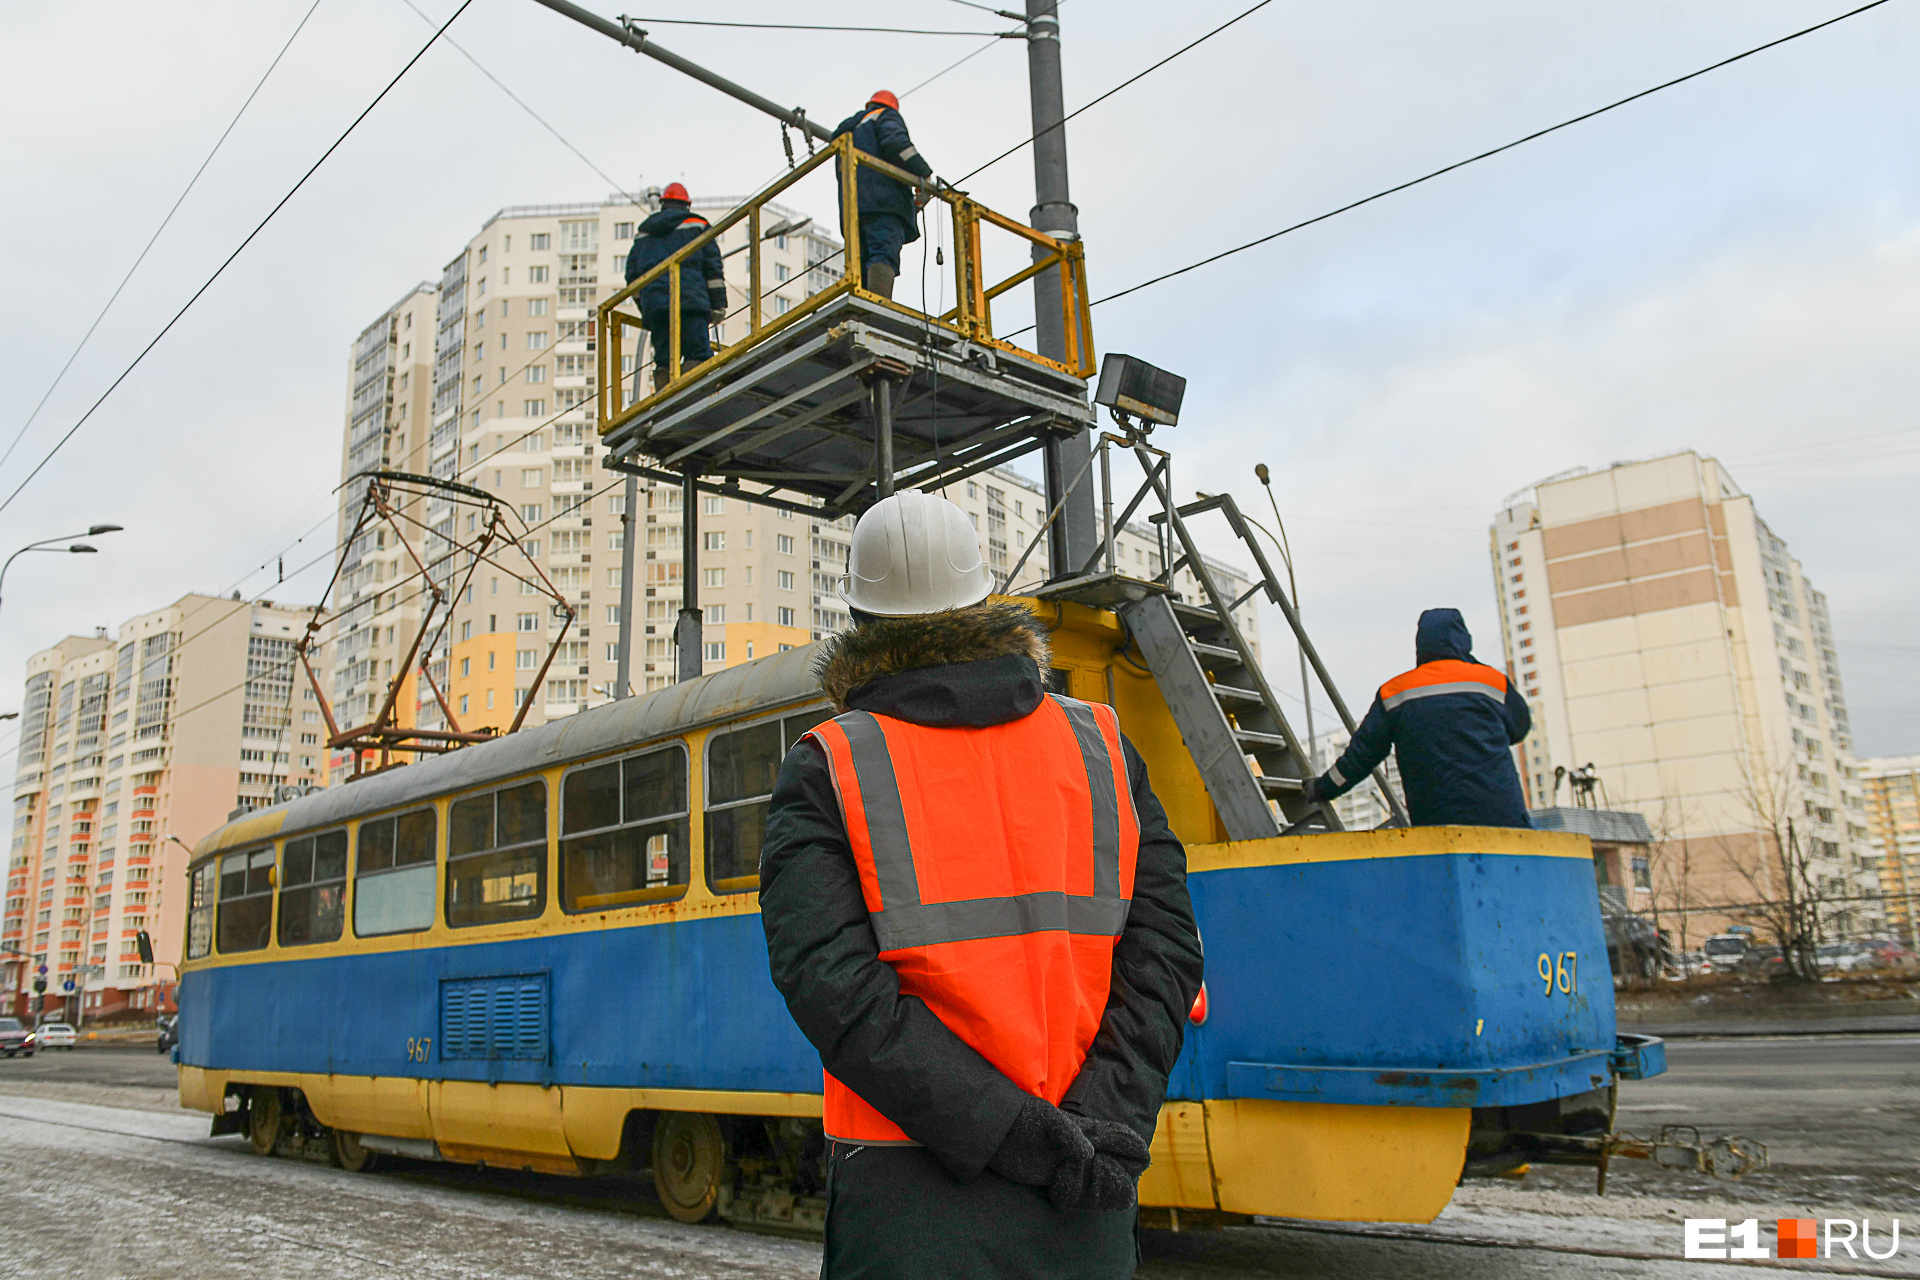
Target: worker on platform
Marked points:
889	211
978	915
703	285
1453	723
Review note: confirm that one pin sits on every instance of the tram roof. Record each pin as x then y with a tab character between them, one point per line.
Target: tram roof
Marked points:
759	685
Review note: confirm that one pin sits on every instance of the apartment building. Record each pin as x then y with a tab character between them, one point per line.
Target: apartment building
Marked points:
508	408
131	749
1363	808
1892	786
1665	634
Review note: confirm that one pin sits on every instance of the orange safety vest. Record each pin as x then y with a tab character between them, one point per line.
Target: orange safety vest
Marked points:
1443	675
997	865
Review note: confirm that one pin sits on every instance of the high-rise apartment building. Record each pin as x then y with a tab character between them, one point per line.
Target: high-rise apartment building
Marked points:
1363	808
1892	785
1663	633
505	403
131	749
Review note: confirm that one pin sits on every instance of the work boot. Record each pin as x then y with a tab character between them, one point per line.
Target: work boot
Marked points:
880	279
659	377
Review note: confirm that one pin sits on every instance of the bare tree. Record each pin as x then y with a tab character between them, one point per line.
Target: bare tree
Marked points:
1671	867
1776	864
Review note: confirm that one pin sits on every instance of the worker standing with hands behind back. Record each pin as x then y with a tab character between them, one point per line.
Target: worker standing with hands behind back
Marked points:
1453	722
703	284
888	211
978	915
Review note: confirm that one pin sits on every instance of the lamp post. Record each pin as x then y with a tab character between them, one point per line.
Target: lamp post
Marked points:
77	548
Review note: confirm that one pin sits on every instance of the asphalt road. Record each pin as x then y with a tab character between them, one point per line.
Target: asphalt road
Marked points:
123	1189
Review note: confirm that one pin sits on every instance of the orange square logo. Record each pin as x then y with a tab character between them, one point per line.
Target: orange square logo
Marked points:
1797	1237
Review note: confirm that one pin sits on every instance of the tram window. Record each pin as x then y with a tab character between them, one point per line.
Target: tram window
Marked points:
246	900
497	856
393	874
200	886
741	767
624	832
313	887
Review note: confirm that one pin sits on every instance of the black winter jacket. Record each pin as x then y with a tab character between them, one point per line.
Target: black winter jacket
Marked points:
1454	748
702	276
967	667
881	131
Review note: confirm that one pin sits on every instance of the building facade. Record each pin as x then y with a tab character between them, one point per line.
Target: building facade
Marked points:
1665	634
1892	785
132	749
503	400
1363	808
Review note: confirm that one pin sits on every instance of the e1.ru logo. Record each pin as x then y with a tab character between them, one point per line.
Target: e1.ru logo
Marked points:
1797	1238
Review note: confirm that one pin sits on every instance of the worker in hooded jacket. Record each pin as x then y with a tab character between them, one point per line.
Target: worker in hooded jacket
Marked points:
703	284
1452	723
978	915
889	213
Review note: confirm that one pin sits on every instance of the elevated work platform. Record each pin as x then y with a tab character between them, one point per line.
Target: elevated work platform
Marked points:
847	395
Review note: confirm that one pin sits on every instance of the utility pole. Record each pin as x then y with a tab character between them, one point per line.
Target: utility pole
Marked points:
623	669
1074	536
687	632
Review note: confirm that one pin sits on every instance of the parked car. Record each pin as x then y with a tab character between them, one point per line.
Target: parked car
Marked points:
55	1035
1724	950
1762	960
1687	964
15	1039
1845	957
169	1034
1634	947
1888	954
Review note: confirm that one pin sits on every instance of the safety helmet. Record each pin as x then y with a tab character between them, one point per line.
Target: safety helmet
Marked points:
914	553
675	191
885	98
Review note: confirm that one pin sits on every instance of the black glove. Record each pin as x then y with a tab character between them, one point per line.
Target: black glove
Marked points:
1042	1140
1314	790
1102	1183
1111	1138
717	300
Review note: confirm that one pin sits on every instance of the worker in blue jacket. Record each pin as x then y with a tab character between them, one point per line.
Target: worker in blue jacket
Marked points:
703	284
888	210
1453	723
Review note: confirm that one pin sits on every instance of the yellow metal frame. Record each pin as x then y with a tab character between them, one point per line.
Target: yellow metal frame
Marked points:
971	319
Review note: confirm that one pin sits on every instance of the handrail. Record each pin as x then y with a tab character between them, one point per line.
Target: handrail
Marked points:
970	319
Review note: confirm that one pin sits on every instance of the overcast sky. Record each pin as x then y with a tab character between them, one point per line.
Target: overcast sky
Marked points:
1732	265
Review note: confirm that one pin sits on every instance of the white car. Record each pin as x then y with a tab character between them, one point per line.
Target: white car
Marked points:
54	1035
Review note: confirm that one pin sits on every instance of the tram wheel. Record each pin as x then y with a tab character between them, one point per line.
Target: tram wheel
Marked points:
263	1121
689	1161
350	1155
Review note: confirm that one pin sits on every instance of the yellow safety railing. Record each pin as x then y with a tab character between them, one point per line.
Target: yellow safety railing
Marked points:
971	319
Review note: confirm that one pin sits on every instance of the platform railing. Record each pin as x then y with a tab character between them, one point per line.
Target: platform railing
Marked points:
971	319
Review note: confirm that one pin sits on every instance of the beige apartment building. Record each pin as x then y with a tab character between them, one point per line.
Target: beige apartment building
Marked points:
1663	633
1892	785
505	404
131	749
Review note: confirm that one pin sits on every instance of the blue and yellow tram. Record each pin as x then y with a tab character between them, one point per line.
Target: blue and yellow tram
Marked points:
543	953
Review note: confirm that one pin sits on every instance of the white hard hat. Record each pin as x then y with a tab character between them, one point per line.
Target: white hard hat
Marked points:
914	553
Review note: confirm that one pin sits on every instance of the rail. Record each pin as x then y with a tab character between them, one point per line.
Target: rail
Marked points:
971	319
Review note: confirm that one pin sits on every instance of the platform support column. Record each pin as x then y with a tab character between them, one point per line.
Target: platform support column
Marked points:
629	529
1075	535
686	632
882	438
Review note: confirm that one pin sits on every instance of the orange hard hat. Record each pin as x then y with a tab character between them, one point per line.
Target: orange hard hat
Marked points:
675	191
885	98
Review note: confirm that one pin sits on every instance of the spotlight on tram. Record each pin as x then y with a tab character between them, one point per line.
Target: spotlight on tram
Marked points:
1132	386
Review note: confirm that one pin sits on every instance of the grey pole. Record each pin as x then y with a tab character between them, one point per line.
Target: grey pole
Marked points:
1074	537
687	633
629	529
882	438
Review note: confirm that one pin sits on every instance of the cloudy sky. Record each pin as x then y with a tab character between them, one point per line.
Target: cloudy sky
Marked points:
1732	265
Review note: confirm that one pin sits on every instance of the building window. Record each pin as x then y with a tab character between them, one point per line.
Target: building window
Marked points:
714	541
713	505
531	512
1642	876
536	275
540	241
783	543
529	622
716	651
716	613
784	617
537	339
784	579
714	577
497	856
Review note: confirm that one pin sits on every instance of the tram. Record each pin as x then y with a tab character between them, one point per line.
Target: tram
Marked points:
542	953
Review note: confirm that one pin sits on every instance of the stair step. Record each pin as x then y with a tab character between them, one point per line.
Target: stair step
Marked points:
1258	740
1284	786
1219	653
1231	693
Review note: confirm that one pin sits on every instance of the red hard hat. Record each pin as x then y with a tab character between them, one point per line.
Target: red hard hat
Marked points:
675	191
885	98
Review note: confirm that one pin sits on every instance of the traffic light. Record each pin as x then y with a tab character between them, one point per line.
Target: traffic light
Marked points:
39	986
145	941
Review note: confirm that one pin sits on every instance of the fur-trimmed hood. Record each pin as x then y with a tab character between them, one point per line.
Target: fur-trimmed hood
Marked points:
955	655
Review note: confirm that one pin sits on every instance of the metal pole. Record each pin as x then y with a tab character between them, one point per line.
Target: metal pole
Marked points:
1074	537
636	39
687	633
623	670
882	438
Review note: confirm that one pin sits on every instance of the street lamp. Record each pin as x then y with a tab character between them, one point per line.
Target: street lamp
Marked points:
77	548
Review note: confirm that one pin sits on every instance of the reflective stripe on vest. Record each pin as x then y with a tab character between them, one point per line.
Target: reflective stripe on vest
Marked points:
1444	675
997	866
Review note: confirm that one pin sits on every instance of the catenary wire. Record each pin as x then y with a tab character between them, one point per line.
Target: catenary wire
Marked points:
1123	84
151	240
803	26
228	261
1461	164
952	67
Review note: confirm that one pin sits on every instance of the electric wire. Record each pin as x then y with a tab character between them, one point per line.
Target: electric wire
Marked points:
151	240
221	269
1508	146
952	67
1123	84
804	26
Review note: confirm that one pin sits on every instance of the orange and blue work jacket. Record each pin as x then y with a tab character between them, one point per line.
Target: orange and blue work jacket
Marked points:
1451	723
997	865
